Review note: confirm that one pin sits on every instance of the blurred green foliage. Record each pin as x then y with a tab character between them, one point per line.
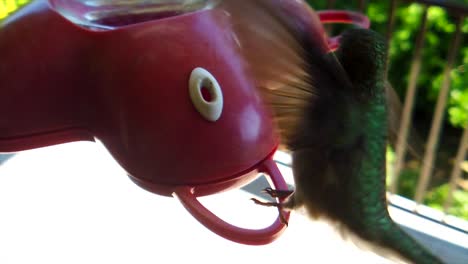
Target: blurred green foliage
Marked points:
407	182
441	26
437	197
9	6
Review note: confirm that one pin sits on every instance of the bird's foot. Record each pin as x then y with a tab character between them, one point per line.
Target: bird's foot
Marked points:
273	204
281	194
269	204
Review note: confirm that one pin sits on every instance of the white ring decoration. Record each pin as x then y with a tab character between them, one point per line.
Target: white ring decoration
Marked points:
210	110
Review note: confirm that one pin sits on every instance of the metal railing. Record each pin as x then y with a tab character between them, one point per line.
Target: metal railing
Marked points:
459	11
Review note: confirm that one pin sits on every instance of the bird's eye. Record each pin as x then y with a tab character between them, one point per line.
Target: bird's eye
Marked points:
206	94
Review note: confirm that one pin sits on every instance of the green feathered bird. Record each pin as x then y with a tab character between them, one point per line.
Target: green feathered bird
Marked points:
331	113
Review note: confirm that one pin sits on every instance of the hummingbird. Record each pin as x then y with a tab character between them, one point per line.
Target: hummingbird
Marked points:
331	113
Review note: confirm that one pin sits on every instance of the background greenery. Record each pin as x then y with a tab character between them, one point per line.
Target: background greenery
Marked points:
441	26
9	6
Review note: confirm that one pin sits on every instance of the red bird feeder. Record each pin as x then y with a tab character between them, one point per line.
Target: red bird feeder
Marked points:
161	86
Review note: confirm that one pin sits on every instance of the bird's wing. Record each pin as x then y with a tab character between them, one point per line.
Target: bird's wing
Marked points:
285	49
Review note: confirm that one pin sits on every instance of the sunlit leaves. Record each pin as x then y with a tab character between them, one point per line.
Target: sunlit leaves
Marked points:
376	13
9	6
437	197
458	109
